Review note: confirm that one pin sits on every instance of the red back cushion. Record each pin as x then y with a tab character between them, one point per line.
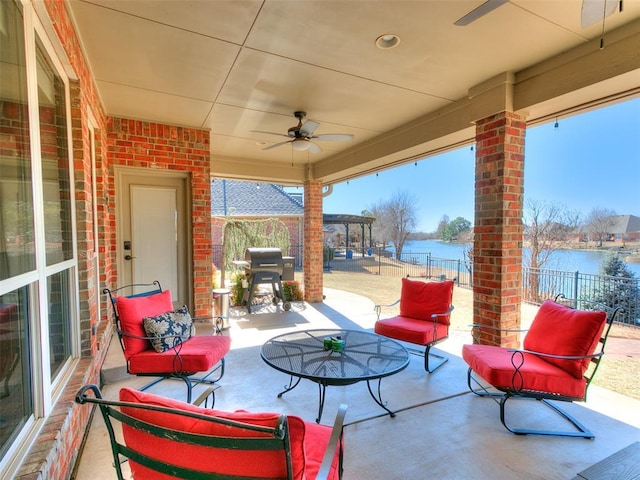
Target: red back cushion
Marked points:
131	312
252	463
560	330
421	299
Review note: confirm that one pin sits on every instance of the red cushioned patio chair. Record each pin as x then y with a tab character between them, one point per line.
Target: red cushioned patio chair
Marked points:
425	311
167	439
559	357
158	341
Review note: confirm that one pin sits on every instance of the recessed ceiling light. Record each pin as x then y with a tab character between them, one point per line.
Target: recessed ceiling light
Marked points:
388	40
261	143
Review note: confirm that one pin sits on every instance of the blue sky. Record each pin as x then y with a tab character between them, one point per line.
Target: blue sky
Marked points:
591	160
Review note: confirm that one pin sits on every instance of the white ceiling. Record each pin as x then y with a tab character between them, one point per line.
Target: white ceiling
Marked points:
237	67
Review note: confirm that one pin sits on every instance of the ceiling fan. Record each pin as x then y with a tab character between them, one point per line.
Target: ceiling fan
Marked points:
480	11
592	11
301	136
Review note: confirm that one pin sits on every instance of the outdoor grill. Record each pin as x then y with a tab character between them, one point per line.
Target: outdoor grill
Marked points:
264	266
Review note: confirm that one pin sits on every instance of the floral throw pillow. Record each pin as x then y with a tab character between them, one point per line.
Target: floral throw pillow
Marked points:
169	329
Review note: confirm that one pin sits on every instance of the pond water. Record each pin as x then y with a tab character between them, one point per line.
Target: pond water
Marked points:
583	261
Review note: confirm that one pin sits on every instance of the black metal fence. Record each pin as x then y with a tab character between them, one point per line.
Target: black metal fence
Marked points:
586	289
538	284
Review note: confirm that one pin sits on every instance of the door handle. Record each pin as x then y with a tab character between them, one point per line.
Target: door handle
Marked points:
128	257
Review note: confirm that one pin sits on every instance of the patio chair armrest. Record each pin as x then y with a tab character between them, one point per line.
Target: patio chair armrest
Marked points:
435	316
518	360
162	337
82	398
204	397
378	308
335	441
550	355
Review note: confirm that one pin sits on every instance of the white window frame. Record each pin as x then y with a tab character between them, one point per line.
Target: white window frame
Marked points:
45	391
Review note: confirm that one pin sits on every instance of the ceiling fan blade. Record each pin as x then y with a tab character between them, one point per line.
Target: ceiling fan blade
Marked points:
276	145
269	133
308	128
314	148
479	11
594	11
334	137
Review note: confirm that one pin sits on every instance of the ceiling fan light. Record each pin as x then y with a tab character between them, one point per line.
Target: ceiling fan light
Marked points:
387	41
300	145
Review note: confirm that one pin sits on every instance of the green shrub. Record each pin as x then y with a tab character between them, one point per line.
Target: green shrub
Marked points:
327	254
237	290
292	291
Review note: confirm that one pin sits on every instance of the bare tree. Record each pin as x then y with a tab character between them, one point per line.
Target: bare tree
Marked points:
599	223
396	219
546	226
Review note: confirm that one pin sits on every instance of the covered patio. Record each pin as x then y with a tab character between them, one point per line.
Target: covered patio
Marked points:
112	110
441	430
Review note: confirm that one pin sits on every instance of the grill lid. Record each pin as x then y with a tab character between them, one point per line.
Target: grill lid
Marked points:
264	259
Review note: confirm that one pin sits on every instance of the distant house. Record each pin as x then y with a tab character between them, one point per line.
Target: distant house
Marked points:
624	228
238	200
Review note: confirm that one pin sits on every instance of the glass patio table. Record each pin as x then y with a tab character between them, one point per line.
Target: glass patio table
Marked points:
365	356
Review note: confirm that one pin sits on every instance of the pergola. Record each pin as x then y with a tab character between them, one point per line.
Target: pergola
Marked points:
346	220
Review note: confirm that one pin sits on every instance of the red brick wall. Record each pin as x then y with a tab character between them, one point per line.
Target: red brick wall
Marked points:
134	143
497	251
312	261
54	452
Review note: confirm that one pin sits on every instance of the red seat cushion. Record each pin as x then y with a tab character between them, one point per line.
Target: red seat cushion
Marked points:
132	310
198	354
560	330
494	365
308	442
419	332
422	299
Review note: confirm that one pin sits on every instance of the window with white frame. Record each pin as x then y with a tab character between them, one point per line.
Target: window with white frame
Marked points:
38	318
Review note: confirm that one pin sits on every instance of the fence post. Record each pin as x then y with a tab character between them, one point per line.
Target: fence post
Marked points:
458	276
575	288
379	262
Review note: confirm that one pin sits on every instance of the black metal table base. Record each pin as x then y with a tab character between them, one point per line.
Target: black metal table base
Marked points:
322	391
378	399
291	385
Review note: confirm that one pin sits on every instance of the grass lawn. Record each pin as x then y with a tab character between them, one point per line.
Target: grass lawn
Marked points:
620	373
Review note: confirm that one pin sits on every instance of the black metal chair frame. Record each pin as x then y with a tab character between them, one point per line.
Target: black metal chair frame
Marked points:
439	359
546	398
187	377
278	438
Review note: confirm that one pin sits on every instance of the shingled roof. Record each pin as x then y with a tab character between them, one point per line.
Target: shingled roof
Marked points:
625	224
620	224
249	199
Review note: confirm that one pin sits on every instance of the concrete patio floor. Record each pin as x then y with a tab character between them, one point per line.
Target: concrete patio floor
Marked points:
440	430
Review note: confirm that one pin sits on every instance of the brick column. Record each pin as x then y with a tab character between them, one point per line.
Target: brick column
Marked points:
312	237
497	250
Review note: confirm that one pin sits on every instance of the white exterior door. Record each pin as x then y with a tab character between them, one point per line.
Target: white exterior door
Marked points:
154	234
